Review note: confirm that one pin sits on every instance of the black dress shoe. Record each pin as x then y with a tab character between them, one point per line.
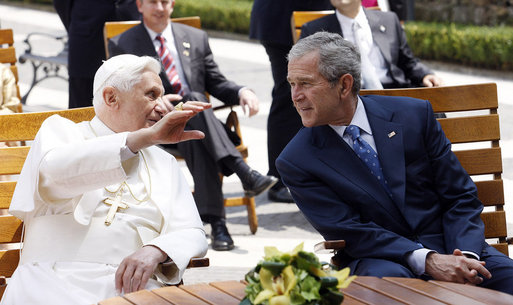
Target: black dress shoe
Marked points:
281	194
221	239
255	183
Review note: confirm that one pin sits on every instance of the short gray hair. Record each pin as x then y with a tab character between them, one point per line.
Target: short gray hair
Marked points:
337	56
123	74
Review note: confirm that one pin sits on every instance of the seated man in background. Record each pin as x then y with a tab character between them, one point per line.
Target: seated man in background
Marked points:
387	60
379	173
189	70
104	208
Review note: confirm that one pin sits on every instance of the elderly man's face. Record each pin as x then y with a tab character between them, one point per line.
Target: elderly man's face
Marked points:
142	105
156	13
316	101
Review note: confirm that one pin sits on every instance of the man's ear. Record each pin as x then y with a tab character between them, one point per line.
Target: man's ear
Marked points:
110	97
346	85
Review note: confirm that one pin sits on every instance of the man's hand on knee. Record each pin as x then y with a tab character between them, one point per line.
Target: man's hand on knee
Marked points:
135	270
456	268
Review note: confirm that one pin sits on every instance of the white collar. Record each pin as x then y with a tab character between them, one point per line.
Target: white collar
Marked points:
99	128
167	34
359	119
347	22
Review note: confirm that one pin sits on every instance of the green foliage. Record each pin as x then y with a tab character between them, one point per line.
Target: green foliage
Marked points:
478	46
223	15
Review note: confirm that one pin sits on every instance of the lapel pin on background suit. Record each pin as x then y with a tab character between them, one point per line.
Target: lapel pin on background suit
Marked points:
391	134
186	45
382	28
186	52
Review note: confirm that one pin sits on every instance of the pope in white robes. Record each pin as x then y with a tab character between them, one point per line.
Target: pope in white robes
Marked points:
104	209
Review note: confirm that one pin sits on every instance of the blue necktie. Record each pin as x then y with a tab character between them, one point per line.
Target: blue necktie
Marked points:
365	152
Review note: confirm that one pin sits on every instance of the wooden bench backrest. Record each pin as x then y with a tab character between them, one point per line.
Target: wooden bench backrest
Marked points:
114	28
301	17
20	127
465	125
8	55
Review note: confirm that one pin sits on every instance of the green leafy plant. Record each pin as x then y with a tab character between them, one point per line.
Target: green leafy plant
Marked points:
294	278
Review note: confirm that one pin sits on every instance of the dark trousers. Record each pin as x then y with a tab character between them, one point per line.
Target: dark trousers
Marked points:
80	92
204	159
283	121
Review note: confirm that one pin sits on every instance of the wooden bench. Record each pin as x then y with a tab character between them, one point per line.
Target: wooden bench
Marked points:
114	28
472	126
23	127
45	66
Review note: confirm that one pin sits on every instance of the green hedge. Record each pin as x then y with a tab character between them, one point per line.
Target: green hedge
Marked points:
223	15
478	46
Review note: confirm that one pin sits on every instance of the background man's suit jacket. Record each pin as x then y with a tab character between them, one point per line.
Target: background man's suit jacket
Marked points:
200	69
405	69
434	200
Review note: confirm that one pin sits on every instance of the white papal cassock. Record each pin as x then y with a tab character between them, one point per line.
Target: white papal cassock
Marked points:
69	255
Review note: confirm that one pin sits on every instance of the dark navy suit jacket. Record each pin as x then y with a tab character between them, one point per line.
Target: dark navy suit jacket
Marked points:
405	69
434	201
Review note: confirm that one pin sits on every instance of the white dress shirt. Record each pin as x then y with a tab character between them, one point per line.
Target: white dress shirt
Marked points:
376	58
170	44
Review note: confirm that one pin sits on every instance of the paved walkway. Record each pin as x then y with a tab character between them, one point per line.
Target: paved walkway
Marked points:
245	62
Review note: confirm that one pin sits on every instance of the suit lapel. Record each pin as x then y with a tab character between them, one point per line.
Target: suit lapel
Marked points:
337	154
333	26
380	34
388	137
183	47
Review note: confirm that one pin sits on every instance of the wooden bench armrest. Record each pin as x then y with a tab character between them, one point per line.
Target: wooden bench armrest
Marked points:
199	262
329	246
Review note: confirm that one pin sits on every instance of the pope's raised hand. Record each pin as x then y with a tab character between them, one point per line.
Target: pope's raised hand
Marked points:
169	129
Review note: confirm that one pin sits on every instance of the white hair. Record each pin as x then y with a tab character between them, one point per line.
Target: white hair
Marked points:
121	74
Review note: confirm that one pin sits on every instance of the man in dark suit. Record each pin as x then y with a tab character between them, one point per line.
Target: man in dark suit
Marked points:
379	172
191	63
84	20
270	24
385	47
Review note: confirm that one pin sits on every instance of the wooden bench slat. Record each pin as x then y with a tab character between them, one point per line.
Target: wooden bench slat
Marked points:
9	260
471	129
145	297
115	301
210	294
395	291
6	36
491	192
28	124
233	288
448	98
478	293
10	229
8	55
481	161
12	159
367	296
6	191
495	224
441	293
176	295
501	247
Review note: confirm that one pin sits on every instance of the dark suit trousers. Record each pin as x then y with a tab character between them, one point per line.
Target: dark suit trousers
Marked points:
283	121
204	159
80	92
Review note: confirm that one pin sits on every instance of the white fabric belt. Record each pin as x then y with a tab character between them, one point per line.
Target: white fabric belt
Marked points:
53	238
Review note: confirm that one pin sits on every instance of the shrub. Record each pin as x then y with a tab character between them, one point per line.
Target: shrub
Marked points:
479	46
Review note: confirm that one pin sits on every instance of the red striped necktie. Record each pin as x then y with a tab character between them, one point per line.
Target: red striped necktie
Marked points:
169	66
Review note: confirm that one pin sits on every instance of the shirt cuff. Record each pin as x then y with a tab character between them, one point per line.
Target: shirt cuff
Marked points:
125	153
417	260
471	254
240	90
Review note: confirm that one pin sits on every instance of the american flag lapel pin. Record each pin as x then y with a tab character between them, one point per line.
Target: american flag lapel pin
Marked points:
391	134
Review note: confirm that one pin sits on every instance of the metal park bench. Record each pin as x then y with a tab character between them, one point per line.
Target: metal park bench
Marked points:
45	66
